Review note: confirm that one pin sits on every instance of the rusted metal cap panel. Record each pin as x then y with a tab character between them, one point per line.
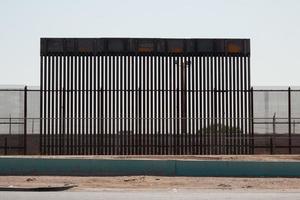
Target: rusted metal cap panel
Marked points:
144	46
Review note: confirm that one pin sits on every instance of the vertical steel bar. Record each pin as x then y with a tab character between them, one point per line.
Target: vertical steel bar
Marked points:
67	78
227	96
125	132
84	104
205	111
163	107
127	105
153	105
144	96
125	102
238	103
178	135
131	137
96	104
167	102
56	105
197	103
159	138
92	104
183	65
215	107
118	114
131	89
223	100
189	103
109	105
122	131
47	76
146	114
230	106
128	132
209	111
102	108
169	121
71	66
42	136
233	128
76	102
63	106
201	99
173	94
192	70
220	100
251	121
242	105
138	124
88	133
140	107
113	106
246	110
80	103
105	91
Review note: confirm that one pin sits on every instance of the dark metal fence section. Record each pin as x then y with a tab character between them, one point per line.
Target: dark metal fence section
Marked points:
145	96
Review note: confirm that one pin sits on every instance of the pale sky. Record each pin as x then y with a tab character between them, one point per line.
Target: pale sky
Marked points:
272	25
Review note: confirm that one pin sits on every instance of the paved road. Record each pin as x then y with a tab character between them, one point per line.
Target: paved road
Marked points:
149	194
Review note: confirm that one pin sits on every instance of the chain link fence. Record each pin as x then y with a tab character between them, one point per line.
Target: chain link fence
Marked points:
276	120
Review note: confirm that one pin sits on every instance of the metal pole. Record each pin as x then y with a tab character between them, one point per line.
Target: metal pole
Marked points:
289	119
274	131
25	120
9	125
273	135
251	121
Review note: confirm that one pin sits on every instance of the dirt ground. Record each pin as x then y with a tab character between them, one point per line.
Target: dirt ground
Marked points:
178	157
153	182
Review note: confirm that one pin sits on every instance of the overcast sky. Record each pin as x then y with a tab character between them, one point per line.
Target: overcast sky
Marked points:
272	25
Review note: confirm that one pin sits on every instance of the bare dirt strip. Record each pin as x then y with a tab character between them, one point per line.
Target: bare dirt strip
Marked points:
152	182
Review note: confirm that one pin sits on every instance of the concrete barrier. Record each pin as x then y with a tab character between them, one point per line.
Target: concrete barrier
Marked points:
238	168
127	167
88	167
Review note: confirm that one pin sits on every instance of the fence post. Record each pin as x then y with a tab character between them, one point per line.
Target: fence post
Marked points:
289	119
273	135
25	120
252	121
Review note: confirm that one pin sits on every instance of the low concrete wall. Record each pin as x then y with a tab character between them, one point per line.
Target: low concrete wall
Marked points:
123	167
238	168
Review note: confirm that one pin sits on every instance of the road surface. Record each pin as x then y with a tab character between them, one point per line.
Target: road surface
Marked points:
173	194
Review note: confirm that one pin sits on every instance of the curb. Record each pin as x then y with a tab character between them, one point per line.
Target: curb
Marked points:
123	167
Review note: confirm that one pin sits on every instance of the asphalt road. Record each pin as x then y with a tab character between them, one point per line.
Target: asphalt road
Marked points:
150	194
